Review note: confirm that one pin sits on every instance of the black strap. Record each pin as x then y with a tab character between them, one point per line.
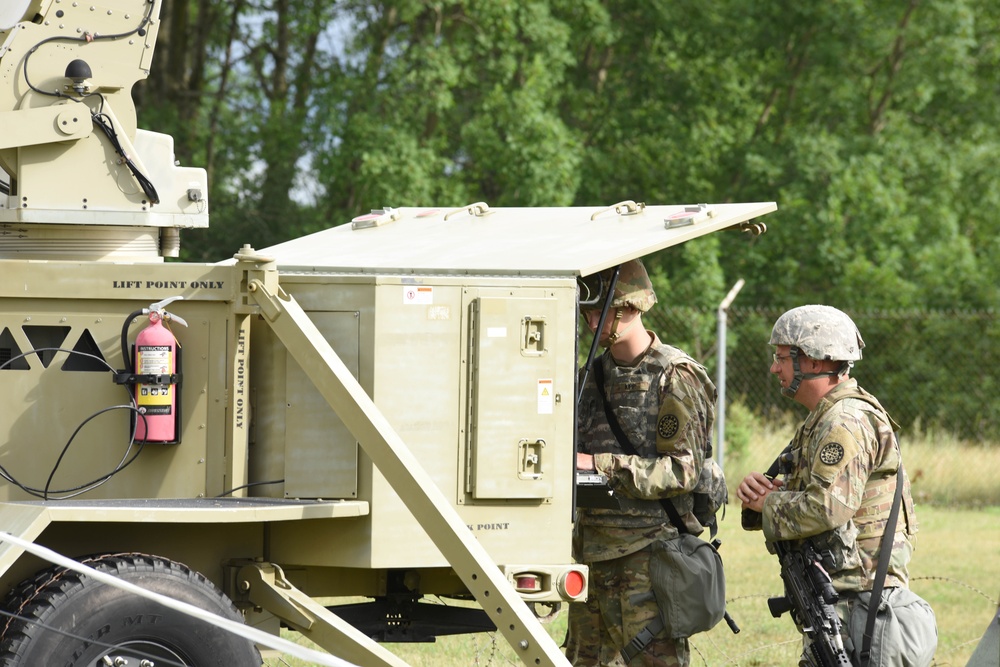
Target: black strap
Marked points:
884	554
626	444
641	640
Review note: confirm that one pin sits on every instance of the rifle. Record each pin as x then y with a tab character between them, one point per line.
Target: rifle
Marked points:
810	596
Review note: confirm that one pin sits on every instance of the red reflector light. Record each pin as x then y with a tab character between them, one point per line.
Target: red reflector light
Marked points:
527	583
574	584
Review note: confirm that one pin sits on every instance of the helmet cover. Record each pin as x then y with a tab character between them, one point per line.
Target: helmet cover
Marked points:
821	332
633	288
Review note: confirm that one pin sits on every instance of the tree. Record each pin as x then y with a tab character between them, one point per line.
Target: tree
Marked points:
872	126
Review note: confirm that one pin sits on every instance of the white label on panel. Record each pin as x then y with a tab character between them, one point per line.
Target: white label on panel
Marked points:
414	295
545	397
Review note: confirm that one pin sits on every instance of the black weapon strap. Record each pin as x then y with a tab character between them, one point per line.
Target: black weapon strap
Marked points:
884	554
626	444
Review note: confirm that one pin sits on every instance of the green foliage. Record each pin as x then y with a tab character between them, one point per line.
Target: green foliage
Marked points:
742	427
872	125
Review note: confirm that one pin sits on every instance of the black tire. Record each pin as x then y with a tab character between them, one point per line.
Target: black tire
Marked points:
65	619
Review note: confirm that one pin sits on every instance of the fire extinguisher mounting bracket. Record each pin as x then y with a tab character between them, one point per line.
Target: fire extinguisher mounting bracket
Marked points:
124	377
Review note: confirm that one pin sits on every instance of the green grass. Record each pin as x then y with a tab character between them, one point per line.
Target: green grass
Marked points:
943	470
956	567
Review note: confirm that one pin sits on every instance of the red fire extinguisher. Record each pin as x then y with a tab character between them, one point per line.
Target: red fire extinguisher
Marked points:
157	367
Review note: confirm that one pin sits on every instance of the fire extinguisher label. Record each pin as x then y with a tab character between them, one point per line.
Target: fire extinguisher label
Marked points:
154	360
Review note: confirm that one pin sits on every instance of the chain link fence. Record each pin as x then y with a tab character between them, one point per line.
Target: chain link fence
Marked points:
932	370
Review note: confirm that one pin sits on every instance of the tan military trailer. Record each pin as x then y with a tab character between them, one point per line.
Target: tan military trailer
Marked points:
316	436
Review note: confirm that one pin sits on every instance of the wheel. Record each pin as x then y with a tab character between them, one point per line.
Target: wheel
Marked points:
61	618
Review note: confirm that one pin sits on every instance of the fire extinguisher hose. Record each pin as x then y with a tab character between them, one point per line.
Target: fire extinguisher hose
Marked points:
126	357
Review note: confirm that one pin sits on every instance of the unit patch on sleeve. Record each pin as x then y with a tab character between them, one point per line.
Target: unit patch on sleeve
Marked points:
667	426
831	454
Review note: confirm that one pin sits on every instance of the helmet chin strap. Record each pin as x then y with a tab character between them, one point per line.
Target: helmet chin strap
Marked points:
616	335
798	376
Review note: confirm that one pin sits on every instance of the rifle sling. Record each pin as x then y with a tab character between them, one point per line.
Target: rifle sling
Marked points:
884	554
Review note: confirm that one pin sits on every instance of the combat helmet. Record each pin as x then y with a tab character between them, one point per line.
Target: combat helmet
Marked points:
633	288
819	332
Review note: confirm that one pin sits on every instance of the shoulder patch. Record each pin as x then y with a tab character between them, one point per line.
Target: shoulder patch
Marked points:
667	426
831	454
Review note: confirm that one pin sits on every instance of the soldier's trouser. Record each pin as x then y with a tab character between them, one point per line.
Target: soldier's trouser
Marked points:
620	604
905	629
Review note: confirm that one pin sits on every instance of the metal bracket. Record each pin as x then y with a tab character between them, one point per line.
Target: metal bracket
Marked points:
256	272
265	585
479	209
627	207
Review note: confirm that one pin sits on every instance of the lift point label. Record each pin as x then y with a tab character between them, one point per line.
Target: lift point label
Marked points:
167	284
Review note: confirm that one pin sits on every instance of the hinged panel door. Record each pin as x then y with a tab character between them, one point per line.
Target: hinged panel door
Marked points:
512	398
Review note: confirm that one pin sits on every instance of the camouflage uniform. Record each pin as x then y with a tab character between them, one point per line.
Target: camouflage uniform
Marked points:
665	404
838	490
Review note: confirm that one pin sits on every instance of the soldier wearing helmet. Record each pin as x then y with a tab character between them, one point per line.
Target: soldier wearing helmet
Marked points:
664	403
837	485
633	296
820	333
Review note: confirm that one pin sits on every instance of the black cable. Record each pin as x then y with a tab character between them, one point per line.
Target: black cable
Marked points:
101	120
93	484
609	297
83	488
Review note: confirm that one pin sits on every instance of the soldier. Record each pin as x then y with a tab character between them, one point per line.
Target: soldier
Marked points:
840	476
664	402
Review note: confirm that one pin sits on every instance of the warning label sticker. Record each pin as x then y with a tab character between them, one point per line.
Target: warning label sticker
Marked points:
545	399
413	295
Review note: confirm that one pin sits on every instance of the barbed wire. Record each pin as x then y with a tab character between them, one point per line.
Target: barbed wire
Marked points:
991	600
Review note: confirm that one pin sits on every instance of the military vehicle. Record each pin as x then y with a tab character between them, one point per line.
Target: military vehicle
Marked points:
321	435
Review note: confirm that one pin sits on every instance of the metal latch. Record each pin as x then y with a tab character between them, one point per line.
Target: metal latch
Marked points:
529	458
532	336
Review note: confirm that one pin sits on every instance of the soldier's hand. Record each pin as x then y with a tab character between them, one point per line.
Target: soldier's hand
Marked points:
754	489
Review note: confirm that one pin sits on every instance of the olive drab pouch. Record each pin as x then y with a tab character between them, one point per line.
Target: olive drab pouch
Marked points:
905	628
689	585
710	495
